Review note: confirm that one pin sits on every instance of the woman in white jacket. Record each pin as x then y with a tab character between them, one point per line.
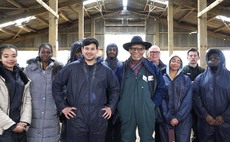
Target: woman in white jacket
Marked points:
15	99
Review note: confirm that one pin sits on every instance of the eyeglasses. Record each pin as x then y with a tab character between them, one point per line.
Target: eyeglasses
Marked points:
154	52
137	49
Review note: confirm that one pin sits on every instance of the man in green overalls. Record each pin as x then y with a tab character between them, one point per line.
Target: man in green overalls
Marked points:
142	90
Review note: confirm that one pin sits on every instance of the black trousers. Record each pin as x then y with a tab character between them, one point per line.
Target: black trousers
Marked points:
157	132
195	137
79	129
9	136
113	133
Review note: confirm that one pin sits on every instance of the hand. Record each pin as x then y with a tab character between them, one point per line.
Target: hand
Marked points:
107	114
219	120
210	120
68	112
19	129
174	122
23	124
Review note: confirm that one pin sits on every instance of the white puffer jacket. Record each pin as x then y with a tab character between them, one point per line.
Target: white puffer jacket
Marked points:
26	110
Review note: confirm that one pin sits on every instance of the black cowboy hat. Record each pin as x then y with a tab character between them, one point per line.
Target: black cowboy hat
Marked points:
137	40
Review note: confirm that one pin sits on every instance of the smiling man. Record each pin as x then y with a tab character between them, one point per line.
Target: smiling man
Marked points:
87	106
154	54
143	89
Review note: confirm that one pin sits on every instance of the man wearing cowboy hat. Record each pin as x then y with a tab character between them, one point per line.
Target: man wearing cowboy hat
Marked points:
142	90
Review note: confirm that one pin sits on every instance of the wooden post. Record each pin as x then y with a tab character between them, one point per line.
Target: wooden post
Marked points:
81	21
170	28
202	32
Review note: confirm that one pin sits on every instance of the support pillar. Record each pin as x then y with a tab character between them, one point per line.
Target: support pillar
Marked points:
53	27
81	21
170	28
92	33
156	37
202	33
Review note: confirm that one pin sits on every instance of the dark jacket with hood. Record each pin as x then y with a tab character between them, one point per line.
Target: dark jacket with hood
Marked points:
211	90
211	95
86	87
113	63
75	47
177	104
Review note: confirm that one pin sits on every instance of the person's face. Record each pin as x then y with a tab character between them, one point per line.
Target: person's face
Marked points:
137	51
154	55
112	52
9	58
193	57
175	63
45	54
213	60
90	52
78	53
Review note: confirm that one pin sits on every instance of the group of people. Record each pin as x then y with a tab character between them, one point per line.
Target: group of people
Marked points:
197	98
107	100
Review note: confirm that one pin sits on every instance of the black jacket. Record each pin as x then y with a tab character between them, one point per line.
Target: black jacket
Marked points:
192	72
86	86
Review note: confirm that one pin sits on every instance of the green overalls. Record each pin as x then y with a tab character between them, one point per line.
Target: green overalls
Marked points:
136	108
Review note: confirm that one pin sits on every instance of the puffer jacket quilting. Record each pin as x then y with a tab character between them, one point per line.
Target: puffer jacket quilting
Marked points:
45	119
